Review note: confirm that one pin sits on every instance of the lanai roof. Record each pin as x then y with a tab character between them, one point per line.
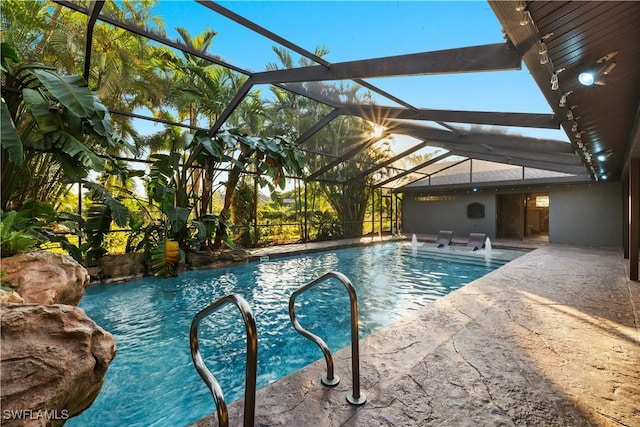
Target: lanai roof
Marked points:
600	122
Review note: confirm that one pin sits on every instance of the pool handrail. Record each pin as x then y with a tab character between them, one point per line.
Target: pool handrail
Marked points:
355	397
251	361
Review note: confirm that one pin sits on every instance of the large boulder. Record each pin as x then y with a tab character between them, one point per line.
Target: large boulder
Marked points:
45	278
53	360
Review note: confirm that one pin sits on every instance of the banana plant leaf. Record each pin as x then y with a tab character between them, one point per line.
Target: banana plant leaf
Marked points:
73	170
37	212
97	224
69	145
7	53
178	217
72	91
48	120
9	138
211	146
100	121
118	212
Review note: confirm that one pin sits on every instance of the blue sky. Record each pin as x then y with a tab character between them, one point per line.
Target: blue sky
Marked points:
367	29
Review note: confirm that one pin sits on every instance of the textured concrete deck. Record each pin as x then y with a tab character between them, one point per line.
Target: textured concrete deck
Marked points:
550	339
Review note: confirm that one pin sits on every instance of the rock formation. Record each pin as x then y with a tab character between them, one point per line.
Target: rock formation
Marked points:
206	260
54	358
10	296
45	278
121	267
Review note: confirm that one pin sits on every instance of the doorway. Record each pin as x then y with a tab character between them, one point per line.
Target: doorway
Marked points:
523	216
510	216
537	216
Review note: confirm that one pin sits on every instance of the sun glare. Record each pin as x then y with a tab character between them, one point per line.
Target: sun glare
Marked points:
377	131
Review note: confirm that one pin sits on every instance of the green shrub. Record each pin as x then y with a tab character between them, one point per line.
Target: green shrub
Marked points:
13	241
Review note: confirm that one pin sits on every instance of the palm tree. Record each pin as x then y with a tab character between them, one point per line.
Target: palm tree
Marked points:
121	72
294	114
199	91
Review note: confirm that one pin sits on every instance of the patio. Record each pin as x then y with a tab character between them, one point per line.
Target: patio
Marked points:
552	338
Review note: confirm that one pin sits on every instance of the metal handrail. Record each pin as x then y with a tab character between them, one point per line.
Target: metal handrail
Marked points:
252	360
355	397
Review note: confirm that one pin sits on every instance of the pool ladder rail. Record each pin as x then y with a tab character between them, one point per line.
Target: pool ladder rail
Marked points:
355	397
251	364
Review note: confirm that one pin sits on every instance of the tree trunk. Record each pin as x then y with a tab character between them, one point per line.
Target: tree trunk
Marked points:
232	182
45	40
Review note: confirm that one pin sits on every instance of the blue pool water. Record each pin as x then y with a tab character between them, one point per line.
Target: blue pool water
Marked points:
152	382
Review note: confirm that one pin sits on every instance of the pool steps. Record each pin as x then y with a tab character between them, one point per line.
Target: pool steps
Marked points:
355	397
472	259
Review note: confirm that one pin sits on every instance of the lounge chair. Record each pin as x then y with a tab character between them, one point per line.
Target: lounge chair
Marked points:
476	240
444	238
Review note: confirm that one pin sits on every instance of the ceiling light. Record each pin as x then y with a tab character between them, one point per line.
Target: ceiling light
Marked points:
604	155
587	78
554	79
602	68
526	18
554	82
603	176
544	57
574	128
563	99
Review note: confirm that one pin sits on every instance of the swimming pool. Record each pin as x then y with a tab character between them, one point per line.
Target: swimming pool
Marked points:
152	382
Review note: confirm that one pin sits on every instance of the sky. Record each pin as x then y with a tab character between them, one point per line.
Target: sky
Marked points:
354	30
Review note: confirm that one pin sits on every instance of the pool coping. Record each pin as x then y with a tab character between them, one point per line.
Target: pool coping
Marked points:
560	340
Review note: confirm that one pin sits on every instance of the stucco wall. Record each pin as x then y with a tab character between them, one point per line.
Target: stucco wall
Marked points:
586	214
428	215
580	214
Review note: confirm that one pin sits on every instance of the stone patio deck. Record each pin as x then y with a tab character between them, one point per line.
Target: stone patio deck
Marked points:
550	339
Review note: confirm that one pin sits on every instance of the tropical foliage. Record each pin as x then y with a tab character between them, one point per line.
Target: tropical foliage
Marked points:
172	190
13	241
54	129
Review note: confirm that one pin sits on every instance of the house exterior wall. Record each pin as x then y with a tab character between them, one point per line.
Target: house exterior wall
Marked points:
579	214
586	214
423	214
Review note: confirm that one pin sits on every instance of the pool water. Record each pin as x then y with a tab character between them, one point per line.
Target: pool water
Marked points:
152	381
